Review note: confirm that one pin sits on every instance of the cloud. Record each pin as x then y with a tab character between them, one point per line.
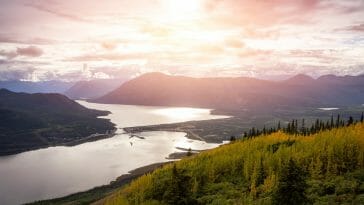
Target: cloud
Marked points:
8	54
262	13
234	43
355	28
327	55
20	40
108	57
210	49
46	6
155	30
16	74
30	51
109	45
270	13
250	52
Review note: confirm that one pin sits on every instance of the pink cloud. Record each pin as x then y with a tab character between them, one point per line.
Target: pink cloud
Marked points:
30	51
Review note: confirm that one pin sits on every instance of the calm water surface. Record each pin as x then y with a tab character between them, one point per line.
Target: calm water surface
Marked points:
59	171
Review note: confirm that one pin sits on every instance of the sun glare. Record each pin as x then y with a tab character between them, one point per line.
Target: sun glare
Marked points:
182	9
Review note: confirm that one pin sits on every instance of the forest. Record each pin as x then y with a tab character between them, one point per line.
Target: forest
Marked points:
292	165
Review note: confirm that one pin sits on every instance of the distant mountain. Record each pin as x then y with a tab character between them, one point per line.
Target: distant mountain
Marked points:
36	87
31	121
238	93
93	88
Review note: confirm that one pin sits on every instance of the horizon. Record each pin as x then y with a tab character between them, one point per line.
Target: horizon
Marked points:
82	40
273	78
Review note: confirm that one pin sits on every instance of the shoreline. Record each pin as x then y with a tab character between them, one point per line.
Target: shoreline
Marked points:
89	138
195	130
99	192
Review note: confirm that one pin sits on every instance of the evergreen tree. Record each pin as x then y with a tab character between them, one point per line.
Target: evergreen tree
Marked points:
253	132
362	117
338	121
317	125
289	128
178	192
279	125
303	127
189	152
232	138
350	121
261	175
291	186
332	122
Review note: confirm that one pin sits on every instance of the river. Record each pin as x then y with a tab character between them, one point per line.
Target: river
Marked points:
59	171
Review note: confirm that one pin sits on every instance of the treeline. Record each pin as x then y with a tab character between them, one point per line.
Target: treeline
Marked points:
299	127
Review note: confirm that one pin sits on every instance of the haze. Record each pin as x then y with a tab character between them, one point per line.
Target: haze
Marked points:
75	40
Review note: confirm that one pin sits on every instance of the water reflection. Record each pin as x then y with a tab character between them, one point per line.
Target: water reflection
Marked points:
59	171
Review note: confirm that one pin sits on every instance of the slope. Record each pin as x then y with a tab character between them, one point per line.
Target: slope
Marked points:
250	171
93	88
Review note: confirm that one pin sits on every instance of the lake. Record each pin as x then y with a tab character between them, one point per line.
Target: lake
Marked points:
59	171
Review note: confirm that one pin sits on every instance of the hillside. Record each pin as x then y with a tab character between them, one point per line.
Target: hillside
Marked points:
238	93
93	88
324	168
31	121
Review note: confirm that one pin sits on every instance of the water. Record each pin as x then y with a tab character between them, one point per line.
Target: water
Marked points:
328	108
59	171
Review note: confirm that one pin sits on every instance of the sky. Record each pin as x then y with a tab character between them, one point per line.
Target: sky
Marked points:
74	40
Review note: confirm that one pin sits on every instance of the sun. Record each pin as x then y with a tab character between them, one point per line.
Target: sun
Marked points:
182	9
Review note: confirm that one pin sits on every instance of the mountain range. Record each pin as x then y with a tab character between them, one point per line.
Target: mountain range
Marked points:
93	88
158	89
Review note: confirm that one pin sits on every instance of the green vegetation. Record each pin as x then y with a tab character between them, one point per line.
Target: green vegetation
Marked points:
280	168
242	121
31	121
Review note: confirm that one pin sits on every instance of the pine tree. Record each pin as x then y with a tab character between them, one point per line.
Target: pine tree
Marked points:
350	121
332	122
291	186
317	125
303	127
362	117
189	152
178	192
279	125
338	121
253	132
261	175
232	138
289	128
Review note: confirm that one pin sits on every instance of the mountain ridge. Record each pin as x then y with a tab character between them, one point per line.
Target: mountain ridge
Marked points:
159	89
32	121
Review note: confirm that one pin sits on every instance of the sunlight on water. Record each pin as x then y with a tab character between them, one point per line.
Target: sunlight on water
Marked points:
59	171
328	108
181	113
